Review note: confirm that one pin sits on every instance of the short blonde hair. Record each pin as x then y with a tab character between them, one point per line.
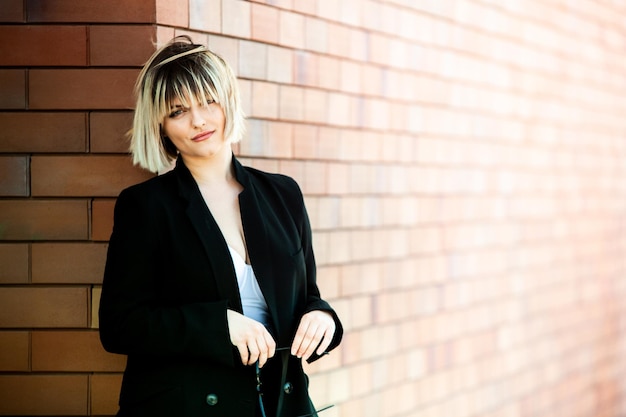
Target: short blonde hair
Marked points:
180	70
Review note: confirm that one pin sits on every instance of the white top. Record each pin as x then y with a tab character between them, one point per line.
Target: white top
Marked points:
252	300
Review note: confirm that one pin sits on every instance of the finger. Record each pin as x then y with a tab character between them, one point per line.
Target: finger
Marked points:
315	341
243	352
262	358
327	338
267	350
271	345
254	352
267	347
299	338
309	342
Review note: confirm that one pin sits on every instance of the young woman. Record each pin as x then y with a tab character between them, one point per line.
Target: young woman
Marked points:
209	285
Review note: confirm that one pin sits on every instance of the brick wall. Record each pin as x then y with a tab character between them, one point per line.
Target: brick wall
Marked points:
68	68
463	165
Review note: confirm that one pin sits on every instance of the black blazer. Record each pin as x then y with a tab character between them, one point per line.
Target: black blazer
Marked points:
169	280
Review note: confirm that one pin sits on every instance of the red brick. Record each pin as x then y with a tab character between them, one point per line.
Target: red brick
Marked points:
359	406
279	141
14	176
44	395
14	349
339	109
173	13
315	106
253	60
351	77
13	87
340	40
228	49
305	141
72	351
128	45
264	23
14	260
68	263
81	89
329	280
269	165
329	9
378	222
282	4
315	177
96	293
315	35
12	11
83	175
107	131
111	11
205	15
104	391
377	48
295	169
27	45
264	100
305	6
330	74
164	34
196	37
42	132
43	307
245	90
44	219
236	19
254	144
291	29
291	103
280	64
102	219
338	178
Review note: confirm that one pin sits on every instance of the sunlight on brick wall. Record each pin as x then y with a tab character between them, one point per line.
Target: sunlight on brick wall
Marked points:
463	164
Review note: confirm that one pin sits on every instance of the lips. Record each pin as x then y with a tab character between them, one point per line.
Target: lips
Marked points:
202	136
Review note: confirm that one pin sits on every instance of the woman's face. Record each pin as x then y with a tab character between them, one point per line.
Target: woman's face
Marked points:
197	131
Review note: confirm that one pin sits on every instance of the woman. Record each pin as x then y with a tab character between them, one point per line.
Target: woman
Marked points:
209	285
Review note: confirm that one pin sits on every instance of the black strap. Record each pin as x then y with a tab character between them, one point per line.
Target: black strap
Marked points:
285	361
284	356
259	390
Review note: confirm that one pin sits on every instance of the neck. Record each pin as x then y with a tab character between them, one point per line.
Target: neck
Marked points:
213	171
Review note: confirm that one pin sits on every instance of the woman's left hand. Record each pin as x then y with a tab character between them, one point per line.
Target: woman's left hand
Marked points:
316	329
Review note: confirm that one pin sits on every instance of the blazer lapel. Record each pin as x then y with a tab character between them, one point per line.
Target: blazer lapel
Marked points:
211	237
257	242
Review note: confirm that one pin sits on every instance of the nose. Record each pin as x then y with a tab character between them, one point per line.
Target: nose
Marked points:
197	118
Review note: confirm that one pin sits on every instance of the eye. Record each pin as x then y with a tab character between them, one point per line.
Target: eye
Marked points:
177	112
210	101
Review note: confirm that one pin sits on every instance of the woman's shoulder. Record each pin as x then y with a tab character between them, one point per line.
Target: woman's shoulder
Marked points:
279	182
152	187
279	188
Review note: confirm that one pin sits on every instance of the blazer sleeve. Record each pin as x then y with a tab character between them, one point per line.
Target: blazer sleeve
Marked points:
314	299
132	320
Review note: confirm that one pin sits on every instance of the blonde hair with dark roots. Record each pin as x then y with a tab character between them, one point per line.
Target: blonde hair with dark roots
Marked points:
180	70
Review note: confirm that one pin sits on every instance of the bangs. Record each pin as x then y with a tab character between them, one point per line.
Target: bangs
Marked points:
184	81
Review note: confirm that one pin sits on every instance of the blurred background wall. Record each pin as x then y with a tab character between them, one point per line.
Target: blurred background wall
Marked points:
463	163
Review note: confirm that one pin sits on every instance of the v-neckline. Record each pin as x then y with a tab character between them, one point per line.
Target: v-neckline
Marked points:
232	250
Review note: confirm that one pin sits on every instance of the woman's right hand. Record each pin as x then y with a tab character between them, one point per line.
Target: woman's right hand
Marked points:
251	338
